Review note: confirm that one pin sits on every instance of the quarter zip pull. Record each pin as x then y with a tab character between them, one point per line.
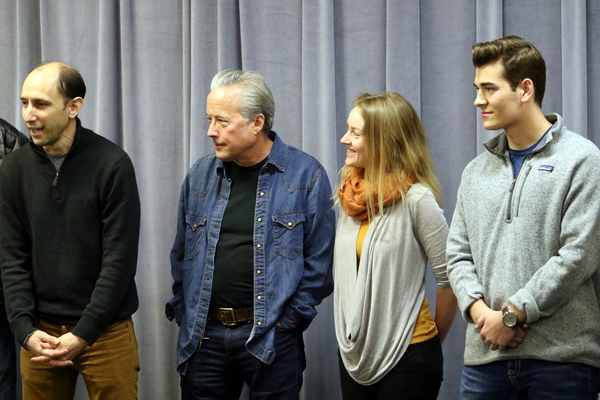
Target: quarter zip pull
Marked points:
509	206
55	182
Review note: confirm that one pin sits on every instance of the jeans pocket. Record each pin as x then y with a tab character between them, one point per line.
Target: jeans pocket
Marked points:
288	234
283	329
194	234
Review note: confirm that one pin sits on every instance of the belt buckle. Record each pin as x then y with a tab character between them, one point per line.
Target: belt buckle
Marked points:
227	316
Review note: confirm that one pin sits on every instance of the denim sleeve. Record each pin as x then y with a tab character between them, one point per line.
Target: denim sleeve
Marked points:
175	307
317	279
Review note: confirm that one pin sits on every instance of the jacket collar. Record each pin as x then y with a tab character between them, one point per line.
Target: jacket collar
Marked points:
498	145
81	137
276	157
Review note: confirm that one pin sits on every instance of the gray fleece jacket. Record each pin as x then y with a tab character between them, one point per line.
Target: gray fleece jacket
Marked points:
534	242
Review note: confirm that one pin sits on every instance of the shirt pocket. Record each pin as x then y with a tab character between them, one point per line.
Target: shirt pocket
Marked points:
194	234
288	234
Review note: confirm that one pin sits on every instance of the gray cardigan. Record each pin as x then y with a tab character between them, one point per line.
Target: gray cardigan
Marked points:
376	310
535	243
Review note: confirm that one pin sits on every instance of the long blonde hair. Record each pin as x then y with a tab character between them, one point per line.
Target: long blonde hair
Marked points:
396	146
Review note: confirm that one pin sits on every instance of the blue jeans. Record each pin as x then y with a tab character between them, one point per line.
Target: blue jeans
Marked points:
222	364
418	375
530	379
8	360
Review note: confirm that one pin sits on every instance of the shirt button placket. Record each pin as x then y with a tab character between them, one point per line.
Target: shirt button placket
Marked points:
258	271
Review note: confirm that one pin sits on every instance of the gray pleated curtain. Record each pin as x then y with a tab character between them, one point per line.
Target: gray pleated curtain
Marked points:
148	65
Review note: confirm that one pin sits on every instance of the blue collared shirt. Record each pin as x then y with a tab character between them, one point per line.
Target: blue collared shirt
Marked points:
294	230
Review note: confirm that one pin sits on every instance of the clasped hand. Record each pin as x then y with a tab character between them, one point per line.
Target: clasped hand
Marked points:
495	334
55	351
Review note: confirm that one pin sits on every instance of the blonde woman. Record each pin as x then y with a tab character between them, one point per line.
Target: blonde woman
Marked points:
390	226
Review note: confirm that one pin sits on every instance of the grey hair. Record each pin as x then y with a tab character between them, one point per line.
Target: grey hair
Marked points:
256	98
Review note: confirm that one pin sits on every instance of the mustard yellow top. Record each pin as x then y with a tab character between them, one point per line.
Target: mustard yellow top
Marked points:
425	327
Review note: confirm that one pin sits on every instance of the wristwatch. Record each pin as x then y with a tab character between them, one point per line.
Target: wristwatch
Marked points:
510	318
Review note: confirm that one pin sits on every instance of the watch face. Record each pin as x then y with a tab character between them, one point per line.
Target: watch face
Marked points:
510	319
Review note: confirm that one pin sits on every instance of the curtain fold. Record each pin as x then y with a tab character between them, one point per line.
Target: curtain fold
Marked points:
148	65
574	55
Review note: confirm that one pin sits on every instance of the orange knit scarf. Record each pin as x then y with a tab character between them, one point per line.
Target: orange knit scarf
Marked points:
353	196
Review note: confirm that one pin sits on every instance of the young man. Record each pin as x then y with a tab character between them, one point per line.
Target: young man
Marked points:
524	244
10	140
69	227
253	252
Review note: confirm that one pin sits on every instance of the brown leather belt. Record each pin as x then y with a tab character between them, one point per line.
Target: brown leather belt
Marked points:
231	316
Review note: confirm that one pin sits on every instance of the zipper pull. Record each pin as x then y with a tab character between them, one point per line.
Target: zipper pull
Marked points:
508	217
55	182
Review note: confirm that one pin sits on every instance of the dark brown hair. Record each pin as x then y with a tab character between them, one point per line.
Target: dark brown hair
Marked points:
520	59
70	81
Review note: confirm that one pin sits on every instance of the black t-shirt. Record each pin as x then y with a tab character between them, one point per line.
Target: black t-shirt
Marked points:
233	281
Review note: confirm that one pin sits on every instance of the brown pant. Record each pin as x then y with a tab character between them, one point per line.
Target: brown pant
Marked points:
109	367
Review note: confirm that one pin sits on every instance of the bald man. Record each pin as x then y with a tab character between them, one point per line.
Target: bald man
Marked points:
69	229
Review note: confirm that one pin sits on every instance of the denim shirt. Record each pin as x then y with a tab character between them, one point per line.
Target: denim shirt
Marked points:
294	232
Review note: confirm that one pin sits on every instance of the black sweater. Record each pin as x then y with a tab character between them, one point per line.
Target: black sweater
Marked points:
69	241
